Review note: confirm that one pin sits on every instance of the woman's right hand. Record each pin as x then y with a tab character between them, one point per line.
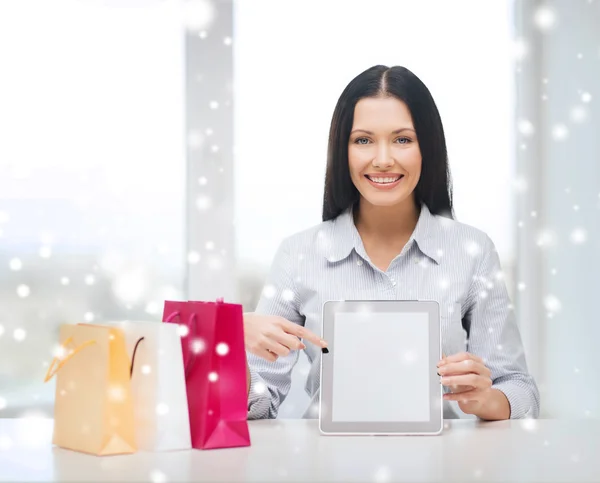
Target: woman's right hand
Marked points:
270	336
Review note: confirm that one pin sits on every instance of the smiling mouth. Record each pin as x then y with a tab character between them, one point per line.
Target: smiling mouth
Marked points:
384	179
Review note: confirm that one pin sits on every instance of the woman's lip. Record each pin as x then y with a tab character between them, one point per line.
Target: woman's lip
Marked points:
385	186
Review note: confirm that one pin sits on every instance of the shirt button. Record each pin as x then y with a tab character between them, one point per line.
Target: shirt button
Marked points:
417	260
359	262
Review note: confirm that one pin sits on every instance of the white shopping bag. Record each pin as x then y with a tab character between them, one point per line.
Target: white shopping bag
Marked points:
158	386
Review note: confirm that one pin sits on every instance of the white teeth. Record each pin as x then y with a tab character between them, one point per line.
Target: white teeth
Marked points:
385	180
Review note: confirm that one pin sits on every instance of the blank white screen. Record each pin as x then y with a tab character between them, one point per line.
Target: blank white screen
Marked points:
381	367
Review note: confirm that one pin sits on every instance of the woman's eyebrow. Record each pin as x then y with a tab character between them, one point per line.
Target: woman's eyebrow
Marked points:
397	131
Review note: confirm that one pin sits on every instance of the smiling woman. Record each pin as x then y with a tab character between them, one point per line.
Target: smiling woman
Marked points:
388	233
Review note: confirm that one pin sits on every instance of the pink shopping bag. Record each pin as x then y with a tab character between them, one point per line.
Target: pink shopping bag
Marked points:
214	355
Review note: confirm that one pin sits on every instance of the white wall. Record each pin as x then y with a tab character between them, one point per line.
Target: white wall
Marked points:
559	94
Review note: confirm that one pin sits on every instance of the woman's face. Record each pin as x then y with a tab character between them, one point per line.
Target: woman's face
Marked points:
383	151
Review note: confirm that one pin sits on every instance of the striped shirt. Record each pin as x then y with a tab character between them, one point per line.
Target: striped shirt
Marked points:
444	260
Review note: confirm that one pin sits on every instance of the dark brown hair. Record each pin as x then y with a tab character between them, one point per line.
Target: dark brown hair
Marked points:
434	188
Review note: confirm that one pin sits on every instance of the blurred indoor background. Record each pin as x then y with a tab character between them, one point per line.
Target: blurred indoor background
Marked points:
162	149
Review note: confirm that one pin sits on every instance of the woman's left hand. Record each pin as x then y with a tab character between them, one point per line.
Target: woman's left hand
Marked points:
469	380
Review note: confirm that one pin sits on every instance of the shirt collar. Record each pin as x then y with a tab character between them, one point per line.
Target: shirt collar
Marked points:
343	237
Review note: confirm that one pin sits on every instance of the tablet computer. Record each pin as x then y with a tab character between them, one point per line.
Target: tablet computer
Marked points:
379	371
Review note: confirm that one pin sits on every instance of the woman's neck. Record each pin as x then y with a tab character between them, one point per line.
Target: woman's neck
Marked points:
393	222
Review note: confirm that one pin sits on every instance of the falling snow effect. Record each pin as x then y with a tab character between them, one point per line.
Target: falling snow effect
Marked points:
560	132
157	476
162	409
15	264
23	291
19	335
552	304
213	377
544	18
578	236
222	349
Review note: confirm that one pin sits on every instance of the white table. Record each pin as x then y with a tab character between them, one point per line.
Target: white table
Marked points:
293	450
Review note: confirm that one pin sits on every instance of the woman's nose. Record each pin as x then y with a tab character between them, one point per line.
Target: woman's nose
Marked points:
383	158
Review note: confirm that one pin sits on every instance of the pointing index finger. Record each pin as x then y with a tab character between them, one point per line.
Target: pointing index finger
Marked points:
303	333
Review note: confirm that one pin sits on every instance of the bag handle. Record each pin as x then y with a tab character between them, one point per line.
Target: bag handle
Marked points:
133	356
58	362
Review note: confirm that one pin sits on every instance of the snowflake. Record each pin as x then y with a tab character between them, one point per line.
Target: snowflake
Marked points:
214	105
521	286
88	316
198	346
157	476
545	18
520	185
576	370
162	409
208	132
209	245
529	424
586	97
546	238
260	387
19	335
533	214
183	330
193	257
526	127
520	49
579	236
198	15
560	132
152	308
552	303
287	295
444	284
130	285
214	148
202	181
213	377
222	349
15	264
146	369
116	393
215	262
409	357
553	271
483	294
64	280
578	114
227	41
473	248
195	139
23	291
269	291
383	474
90	279
3	403
203	202
575	207
203	35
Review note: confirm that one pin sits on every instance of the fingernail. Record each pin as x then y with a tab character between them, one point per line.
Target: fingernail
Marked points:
323	343
302	346
439	373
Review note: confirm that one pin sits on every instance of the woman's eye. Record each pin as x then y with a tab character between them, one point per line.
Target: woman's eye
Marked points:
403	140
360	141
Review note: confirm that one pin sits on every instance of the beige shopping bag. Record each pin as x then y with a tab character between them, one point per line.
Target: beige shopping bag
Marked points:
93	410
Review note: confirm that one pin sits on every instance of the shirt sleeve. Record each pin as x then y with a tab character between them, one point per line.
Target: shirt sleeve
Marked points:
494	336
270	382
